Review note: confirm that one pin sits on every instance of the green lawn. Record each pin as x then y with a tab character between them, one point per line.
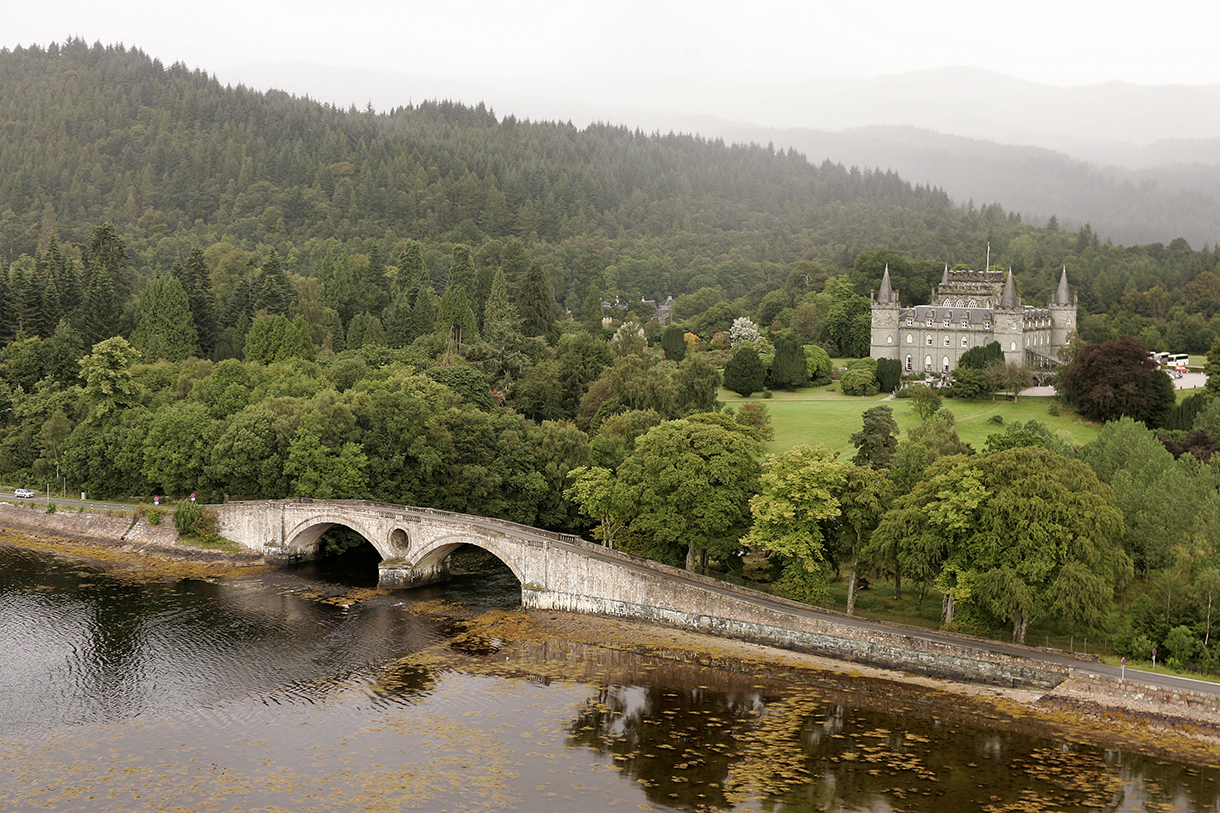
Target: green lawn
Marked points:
816	415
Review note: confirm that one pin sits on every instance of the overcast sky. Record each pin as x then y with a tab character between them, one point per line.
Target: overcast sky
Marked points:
781	43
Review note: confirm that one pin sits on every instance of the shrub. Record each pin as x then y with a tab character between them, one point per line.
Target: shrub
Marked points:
859	381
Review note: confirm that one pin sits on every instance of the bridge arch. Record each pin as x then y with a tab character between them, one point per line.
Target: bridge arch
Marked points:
436	551
304	535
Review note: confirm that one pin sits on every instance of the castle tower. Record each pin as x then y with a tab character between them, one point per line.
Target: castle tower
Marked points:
1063	315
885	320
1010	322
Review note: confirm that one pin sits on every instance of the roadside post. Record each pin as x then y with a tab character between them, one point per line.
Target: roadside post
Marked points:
1122	675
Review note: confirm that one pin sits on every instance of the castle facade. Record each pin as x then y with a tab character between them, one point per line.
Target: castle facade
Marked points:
970	309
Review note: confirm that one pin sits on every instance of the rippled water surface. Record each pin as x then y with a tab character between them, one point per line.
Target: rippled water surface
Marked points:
306	690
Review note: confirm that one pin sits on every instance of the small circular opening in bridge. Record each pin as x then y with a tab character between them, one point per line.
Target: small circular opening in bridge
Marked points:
399	540
344	557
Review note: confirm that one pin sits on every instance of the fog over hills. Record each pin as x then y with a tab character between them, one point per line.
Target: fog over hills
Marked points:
1139	164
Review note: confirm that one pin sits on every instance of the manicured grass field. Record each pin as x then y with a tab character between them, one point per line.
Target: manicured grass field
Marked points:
816	415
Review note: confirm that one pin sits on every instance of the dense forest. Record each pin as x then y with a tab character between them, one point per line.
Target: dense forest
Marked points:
240	294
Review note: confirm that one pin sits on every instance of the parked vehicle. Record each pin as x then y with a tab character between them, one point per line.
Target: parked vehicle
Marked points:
25	494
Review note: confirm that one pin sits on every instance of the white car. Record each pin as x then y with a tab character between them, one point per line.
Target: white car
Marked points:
24	494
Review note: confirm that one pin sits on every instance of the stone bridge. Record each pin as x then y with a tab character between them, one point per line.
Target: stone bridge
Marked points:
562	572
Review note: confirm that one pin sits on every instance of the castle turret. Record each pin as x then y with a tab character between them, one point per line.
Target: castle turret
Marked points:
1063	315
885	320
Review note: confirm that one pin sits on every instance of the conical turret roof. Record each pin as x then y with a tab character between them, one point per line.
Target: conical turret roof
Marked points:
1063	296
886	294
1008	299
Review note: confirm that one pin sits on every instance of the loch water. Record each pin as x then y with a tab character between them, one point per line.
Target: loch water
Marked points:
306	690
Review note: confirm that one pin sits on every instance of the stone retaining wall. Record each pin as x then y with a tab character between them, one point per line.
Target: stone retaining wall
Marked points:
89	526
1089	692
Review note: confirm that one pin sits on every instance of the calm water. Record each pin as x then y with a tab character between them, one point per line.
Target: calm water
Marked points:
284	691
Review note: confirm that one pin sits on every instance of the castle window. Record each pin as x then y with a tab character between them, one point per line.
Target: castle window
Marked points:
945	363
910	321
908	364
889	339
963	341
948	304
927	362
986	325
974	303
929	341
947	321
910	339
959	303
965	320
1012	346
946	341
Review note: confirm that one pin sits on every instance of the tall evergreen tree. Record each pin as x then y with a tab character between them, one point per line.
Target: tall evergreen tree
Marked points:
275	292
462	273
515	263
101	310
197	284
164	327
537	307
108	252
454	317
499	316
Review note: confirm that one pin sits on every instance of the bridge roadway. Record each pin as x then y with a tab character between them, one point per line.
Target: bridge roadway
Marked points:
564	572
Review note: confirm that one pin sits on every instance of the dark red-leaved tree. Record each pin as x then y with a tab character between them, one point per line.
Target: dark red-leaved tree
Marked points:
1117	378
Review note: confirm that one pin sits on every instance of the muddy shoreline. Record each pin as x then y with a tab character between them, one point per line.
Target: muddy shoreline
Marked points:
1075	711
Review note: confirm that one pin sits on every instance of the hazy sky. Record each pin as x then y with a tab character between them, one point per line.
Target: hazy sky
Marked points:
781	43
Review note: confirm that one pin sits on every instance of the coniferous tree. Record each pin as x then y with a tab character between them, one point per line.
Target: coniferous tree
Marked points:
744	373
454	318
275	292
164	327
108	252
461	272
499	316
411	269
788	370
101	311
673	342
537	305
423	313
197	284
515	263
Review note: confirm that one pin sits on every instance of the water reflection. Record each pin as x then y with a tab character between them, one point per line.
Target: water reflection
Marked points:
305	688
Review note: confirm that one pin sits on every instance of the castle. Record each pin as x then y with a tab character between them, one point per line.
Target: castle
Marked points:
970	309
